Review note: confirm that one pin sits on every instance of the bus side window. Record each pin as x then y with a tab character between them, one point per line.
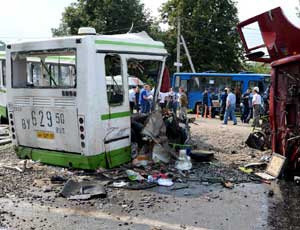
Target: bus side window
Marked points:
114	80
184	85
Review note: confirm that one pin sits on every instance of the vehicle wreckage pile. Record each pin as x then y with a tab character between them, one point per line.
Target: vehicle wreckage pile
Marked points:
161	151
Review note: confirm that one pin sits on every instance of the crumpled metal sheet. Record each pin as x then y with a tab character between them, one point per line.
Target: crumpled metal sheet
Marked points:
82	190
155	125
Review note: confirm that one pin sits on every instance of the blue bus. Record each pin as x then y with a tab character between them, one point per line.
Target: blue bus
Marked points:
195	84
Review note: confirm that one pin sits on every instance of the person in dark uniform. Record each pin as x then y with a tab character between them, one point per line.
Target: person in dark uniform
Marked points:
206	102
245	102
223	99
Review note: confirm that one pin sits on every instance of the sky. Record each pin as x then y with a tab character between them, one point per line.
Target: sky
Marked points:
20	19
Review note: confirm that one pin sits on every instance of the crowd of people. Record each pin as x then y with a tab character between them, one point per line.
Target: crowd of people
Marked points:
142	100
250	105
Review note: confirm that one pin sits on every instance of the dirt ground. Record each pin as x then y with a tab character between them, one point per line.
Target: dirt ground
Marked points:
227	141
28	200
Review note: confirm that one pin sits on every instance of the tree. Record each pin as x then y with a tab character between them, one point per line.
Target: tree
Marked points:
257	67
106	16
209	28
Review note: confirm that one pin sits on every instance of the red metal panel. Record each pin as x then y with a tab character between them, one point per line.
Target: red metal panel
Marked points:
281	37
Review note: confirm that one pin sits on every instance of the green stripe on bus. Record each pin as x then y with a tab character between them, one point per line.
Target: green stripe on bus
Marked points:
118	156
118	43
115	115
73	160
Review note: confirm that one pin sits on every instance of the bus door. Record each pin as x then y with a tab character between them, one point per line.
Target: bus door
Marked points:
116	115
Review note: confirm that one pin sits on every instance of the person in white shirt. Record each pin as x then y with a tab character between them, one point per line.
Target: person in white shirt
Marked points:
132	98
256	102
163	99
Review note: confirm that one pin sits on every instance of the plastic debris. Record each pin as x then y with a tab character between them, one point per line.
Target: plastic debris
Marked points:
159	154
165	182
245	170
228	184
141	160
120	184
184	161
132	175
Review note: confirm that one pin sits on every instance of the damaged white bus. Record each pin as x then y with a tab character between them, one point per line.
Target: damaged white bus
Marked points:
70	115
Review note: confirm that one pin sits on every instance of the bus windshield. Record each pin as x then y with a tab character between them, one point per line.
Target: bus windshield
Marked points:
44	69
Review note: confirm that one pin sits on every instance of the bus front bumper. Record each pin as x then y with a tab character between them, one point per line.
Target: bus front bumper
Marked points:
72	160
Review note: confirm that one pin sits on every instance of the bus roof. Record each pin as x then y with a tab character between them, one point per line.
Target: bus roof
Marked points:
242	74
141	42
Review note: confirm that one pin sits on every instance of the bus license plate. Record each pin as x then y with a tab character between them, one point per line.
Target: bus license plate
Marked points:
45	135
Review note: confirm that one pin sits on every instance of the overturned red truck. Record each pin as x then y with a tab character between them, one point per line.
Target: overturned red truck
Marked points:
280	46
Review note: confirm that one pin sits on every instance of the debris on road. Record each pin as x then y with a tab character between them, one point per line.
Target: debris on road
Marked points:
201	155
120	184
74	190
165	182
228	184
16	168
245	170
183	162
134	176
274	168
56	179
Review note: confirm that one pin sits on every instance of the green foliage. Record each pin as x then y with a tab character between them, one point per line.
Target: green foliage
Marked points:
256	67
209	28
106	16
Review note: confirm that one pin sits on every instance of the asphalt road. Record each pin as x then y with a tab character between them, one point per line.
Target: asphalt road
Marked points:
26	205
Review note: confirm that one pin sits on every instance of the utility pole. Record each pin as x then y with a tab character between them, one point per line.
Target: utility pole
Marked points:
178	45
188	54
